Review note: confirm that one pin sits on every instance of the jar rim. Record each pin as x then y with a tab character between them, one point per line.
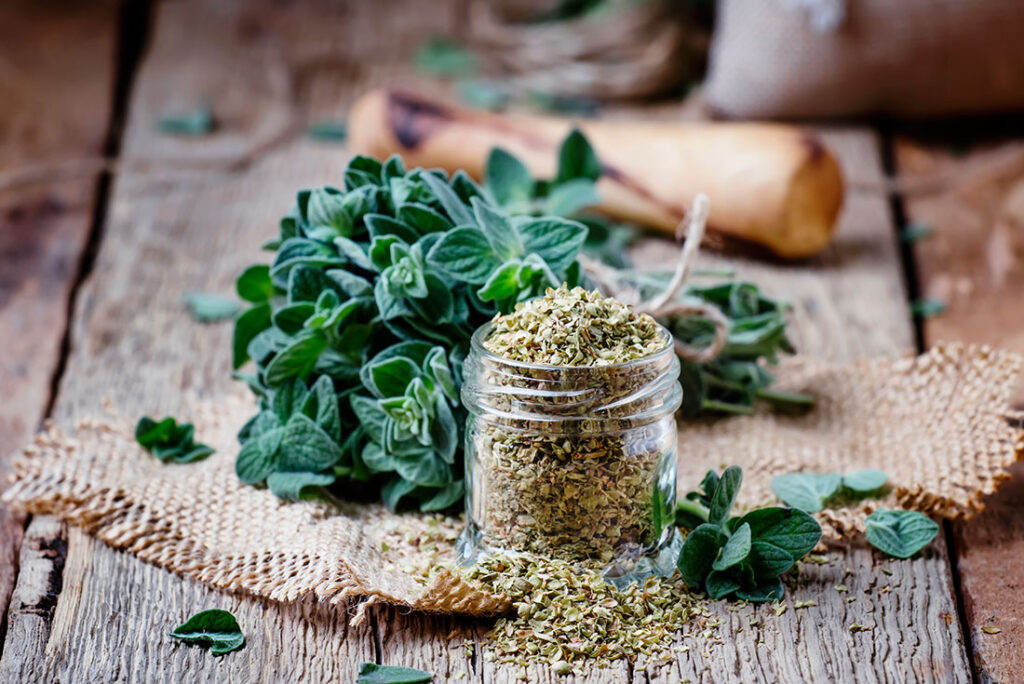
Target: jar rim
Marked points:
476	344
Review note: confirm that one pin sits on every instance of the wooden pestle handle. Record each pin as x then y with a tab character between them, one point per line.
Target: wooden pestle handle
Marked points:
772	185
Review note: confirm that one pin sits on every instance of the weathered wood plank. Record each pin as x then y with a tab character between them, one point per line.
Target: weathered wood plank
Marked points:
974	261
56	85
180	226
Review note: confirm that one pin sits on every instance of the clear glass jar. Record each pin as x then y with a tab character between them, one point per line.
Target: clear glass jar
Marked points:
575	462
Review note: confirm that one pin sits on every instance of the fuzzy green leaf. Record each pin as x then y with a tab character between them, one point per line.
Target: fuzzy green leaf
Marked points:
370	673
214	629
865	481
208	307
576	159
900	533
806	491
736	550
508	178
464	254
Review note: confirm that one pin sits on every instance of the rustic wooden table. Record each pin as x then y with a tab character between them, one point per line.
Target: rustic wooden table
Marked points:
95	255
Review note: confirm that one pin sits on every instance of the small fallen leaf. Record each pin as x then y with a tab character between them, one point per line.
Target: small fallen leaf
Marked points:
196	123
328	131
989	629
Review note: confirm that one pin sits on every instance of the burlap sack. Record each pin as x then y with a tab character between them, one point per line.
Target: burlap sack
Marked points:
774	58
938	425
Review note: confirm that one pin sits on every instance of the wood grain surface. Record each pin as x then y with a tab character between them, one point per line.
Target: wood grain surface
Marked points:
974	261
56	87
196	217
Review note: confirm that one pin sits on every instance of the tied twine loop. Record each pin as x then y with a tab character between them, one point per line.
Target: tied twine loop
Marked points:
665	303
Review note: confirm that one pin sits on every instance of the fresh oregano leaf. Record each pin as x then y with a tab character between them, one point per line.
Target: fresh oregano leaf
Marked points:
900	533
720	584
788	529
499	231
291	486
865	481
770	589
699	551
508	178
255	285
441	56
736	550
556	241
328	131
370	673
806	491
214	629
927	308
483	94
208	307
724	495
464	254
196	123
576	159
566	199
170	442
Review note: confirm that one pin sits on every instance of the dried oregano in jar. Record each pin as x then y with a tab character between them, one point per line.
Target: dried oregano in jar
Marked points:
571	441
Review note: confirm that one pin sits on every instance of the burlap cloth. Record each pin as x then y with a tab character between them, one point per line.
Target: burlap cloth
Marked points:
938	424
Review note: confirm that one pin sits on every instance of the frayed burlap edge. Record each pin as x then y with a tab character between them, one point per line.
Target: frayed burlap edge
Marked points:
938	424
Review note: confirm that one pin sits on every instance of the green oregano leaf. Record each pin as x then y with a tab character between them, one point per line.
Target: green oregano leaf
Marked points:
735	550
900	533
328	131
508	178
441	56
806	491
208	307
865	481
214	629
170	442
725	494
196	123
576	159
255	285
370	673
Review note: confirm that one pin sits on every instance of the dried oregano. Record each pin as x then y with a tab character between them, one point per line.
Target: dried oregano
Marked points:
567	615
574	328
573	445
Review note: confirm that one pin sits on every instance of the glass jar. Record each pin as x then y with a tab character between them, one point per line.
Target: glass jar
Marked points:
574	462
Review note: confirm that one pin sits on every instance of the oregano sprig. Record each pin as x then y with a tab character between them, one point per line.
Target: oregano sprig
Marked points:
170	442
740	556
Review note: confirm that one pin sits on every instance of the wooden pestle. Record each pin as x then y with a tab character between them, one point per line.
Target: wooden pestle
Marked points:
773	185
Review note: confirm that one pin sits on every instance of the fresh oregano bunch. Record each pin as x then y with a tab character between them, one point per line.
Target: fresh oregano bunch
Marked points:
744	556
358	328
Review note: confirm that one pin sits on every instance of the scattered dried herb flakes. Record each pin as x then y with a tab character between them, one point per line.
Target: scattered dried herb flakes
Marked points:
214	629
574	327
797	605
857	627
568	616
